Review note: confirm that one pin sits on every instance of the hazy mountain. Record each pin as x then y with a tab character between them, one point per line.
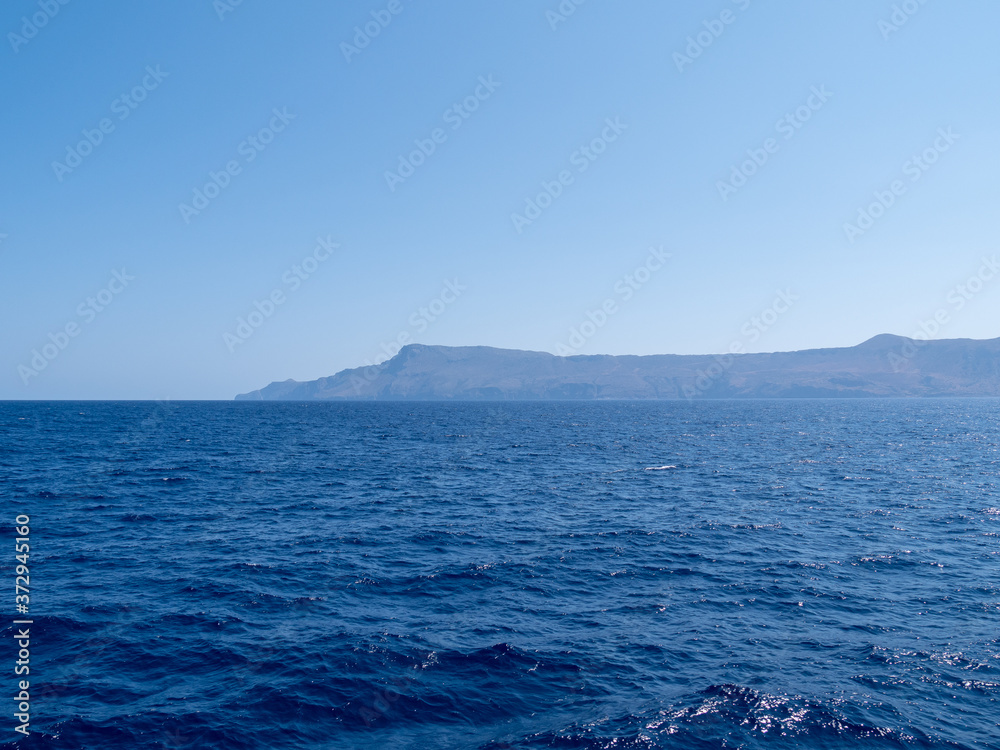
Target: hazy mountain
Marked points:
883	366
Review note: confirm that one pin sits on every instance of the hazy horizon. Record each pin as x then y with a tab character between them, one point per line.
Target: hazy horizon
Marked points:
363	365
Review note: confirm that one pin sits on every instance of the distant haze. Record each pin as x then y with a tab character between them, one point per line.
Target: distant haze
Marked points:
885	366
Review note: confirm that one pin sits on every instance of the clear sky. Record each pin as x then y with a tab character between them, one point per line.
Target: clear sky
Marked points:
482	172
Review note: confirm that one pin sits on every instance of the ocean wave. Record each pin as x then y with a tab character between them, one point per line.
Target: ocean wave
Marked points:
736	716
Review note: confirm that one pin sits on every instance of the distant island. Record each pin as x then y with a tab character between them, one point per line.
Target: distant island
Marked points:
884	366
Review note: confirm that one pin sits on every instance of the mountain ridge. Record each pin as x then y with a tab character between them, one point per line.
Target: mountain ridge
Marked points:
885	365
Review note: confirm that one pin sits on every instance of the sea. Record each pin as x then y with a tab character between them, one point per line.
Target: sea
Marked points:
627	575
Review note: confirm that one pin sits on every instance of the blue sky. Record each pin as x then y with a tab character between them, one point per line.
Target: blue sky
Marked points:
400	186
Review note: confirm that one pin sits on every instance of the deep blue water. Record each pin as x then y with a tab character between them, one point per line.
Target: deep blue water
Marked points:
814	574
